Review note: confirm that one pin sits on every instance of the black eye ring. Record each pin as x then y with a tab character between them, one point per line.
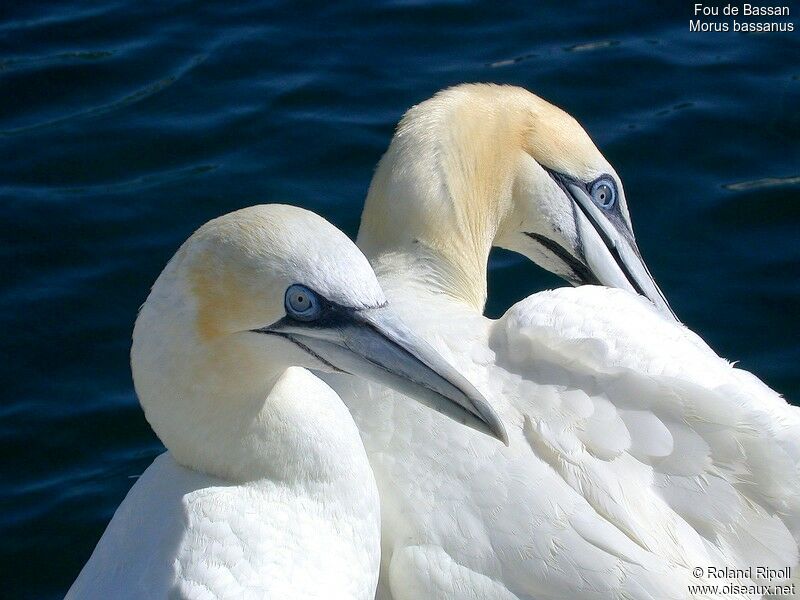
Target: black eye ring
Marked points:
604	192
301	303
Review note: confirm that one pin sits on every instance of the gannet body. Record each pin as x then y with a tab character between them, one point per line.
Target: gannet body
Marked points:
636	455
265	490
180	533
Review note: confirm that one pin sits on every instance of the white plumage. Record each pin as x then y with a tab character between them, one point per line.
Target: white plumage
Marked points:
632	459
265	491
180	533
183	534
636	454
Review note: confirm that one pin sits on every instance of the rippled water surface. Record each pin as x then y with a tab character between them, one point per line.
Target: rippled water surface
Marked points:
124	125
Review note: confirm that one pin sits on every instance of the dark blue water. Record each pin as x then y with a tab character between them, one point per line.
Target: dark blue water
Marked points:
124	125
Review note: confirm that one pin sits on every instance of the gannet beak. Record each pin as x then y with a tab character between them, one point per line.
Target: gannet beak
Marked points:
610	250
374	344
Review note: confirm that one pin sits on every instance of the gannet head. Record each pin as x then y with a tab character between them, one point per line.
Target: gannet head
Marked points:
480	165
258	291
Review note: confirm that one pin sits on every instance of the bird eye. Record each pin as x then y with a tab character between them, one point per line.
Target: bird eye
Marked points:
301	303
604	192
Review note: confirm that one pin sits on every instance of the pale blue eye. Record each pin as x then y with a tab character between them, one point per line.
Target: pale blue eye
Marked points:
604	192
301	303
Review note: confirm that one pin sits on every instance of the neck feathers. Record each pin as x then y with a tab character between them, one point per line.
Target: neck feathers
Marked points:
443	189
229	406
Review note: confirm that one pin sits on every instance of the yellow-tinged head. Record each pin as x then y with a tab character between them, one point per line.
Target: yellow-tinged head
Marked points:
482	165
246	298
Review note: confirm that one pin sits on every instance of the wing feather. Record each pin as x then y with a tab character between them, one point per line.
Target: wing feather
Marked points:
669	442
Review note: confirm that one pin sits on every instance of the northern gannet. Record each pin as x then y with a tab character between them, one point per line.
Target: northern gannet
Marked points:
265	490
638	459
478	166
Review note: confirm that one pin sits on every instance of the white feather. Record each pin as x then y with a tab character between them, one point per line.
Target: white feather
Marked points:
637	465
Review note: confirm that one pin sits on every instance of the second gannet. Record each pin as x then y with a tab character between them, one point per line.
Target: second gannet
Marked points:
637	459
265	490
